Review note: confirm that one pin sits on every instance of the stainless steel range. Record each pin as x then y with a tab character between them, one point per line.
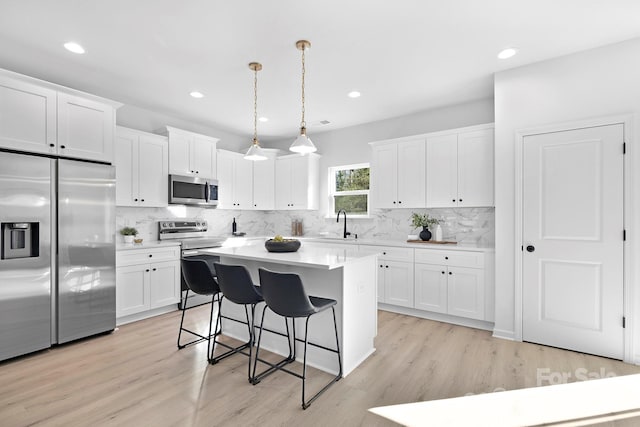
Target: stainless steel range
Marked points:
192	235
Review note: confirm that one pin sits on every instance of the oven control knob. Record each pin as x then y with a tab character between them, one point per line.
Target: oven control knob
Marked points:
164	224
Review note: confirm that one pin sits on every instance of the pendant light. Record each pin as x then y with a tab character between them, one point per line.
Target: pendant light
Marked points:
255	152
303	144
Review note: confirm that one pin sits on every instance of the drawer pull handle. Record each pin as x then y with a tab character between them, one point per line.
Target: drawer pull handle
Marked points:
154	269
443	272
446	257
450	273
150	256
147	270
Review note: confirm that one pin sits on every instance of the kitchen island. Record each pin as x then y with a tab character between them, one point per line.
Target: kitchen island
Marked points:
345	274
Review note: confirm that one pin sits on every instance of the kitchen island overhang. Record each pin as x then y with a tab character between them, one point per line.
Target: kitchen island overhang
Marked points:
348	275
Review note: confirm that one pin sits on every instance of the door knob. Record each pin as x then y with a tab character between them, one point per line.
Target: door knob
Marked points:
531	248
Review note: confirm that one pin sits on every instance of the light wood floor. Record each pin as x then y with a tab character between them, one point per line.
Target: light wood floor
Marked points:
137	377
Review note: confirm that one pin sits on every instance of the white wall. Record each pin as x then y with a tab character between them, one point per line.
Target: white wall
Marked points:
595	83
149	121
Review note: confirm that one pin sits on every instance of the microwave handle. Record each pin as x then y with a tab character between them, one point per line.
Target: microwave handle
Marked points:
206	192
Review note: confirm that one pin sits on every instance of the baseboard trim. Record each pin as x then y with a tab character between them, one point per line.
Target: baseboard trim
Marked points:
146	314
504	334
446	318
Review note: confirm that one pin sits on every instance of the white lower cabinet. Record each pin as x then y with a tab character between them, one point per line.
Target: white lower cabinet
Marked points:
146	279
455	285
450	282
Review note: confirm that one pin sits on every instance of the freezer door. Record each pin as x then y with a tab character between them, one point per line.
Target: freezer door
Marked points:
86	249
25	276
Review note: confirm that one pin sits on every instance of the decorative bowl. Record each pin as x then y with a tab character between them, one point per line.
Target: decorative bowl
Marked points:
137	241
289	245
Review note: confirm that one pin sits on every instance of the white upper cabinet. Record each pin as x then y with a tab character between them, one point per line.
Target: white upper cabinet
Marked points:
398	174
141	161
460	169
27	117
85	128
264	181
191	154
235	181
297	182
37	117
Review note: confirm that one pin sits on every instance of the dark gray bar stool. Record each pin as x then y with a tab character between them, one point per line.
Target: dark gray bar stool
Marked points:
200	279
284	294
236	286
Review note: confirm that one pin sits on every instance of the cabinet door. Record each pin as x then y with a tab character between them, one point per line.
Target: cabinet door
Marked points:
164	284
380	278
152	171
27	117
179	154
243	182
300	190
411	174
132	289
85	128
283	184
442	171
466	292
384	176
431	287
225	179
475	168
264	181
126	156
398	283
203	157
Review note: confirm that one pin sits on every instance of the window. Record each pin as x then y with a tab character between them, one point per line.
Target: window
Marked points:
349	189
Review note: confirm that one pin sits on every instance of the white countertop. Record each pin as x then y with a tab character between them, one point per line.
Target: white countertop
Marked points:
399	243
145	245
306	256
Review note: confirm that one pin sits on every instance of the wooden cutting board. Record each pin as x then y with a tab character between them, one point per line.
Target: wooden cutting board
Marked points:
441	242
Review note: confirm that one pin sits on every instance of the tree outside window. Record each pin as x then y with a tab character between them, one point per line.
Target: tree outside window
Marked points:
349	189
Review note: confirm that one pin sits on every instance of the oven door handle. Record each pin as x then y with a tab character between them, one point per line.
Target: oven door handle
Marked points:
189	253
206	192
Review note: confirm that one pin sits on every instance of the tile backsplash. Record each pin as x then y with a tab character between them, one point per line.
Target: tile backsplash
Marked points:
468	225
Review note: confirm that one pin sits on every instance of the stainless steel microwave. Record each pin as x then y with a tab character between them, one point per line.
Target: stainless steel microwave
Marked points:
191	190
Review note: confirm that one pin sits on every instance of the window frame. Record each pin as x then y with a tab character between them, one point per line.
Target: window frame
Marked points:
331	186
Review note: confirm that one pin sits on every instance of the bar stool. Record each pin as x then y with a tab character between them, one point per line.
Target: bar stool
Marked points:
236	286
199	279
284	294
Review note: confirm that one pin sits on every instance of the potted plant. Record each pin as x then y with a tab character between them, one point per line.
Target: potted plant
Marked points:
424	221
128	233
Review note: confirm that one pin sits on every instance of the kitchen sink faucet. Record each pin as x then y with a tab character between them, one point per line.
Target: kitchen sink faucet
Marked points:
345	233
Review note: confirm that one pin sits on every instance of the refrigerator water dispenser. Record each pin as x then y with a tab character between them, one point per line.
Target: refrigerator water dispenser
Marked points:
19	240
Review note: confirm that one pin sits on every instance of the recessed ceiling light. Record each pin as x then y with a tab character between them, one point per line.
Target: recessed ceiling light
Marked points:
354	94
263	119
507	53
74	47
196	94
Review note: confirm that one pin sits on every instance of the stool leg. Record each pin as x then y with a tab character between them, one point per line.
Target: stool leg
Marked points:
251	338
306	404
184	308
253	380
213	300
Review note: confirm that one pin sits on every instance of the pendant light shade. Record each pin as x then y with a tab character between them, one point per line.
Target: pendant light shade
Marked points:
255	152
303	144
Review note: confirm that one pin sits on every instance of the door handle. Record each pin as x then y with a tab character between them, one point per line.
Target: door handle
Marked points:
531	248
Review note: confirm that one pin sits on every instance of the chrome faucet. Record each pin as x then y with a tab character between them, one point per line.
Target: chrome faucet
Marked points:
345	232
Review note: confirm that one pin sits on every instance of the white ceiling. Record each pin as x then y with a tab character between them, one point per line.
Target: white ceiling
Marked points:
404	55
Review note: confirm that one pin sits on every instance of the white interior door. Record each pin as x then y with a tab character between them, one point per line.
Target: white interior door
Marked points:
573	240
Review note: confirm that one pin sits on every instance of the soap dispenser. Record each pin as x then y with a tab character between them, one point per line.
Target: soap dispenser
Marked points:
438	233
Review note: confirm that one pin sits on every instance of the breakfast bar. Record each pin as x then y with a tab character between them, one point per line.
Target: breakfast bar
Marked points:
347	275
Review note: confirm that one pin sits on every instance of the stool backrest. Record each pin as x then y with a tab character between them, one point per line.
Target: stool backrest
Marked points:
285	294
236	284
198	276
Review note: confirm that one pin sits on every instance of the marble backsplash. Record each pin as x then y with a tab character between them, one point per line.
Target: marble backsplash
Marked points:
465	225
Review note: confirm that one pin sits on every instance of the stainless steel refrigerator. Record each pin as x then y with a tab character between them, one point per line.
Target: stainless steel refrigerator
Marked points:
57	251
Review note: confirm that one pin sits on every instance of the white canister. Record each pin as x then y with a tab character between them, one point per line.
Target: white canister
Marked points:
438	237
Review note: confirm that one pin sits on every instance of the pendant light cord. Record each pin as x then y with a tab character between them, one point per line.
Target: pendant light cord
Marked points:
302	122
255	106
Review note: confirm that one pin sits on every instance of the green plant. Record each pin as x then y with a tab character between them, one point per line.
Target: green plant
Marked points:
422	220
128	231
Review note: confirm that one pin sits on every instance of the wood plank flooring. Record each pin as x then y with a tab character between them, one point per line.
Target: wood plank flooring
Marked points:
137	377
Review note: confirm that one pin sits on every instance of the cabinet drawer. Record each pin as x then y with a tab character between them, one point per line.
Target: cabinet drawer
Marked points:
392	253
147	255
453	258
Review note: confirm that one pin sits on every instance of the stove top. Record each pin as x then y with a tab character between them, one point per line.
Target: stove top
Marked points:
191	233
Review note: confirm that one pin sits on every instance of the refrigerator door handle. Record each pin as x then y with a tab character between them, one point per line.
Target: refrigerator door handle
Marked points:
206	192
